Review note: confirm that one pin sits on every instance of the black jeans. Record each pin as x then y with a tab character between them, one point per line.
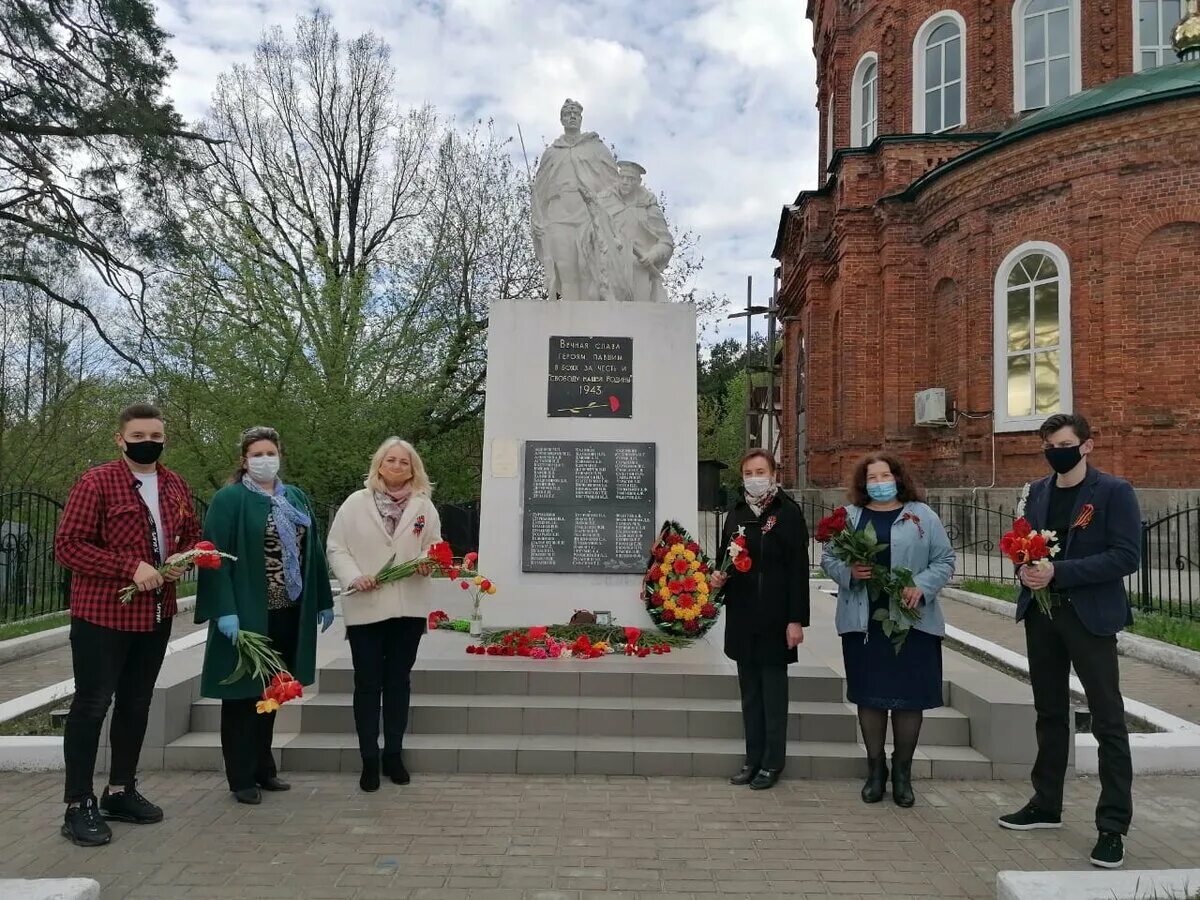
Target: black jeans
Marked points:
764	689
383	654
246	733
1054	645
106	661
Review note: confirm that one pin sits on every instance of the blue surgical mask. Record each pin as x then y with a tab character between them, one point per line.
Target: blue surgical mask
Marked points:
883	491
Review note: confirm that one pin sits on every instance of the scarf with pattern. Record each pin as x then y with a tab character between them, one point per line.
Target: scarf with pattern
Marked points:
287	519
391	506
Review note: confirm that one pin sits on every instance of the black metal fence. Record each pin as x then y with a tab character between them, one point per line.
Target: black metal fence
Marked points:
32	584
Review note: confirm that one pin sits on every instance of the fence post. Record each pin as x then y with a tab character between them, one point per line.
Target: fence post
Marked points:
1145	602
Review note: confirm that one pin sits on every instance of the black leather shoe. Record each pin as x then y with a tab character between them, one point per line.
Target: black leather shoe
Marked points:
876	783
902	791
765	779
83	826
369	779
393	768
744	776
273	784
250	795
129	806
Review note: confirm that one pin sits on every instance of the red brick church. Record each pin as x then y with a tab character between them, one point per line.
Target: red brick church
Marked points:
1008	226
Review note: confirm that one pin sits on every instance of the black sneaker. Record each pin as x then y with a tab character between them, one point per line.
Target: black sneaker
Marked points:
129	806
1029	817
83	826
1109	852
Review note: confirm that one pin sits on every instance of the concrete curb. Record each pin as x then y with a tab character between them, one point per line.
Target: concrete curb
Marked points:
1135	646
54	638
1132	885
49	889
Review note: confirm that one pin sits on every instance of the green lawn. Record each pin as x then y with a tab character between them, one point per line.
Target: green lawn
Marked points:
36	722
1169	629
11	630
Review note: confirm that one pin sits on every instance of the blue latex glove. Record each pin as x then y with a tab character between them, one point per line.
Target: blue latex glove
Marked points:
325	617
228	626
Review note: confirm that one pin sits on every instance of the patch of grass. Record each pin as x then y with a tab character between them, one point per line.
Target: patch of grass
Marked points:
996	590
1169	629
36	722
23	627
1175	630
33	626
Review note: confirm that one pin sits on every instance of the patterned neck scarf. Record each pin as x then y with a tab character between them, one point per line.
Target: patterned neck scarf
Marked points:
759	502
391	506
286	518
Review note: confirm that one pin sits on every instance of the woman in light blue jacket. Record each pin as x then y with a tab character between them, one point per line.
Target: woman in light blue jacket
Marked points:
879	679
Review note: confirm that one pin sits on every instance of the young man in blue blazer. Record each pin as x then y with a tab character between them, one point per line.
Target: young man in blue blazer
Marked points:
1098	524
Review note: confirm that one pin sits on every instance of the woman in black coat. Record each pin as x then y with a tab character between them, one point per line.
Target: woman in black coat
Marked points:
766	612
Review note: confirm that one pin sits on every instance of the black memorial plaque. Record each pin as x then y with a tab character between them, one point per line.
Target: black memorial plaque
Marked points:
590	377
589	506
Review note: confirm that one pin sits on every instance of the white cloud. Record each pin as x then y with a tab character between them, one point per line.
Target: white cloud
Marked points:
714	97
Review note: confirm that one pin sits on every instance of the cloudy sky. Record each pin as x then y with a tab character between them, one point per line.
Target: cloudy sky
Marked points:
714	97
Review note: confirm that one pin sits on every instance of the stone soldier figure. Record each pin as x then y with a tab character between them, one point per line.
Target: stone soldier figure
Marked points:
645	238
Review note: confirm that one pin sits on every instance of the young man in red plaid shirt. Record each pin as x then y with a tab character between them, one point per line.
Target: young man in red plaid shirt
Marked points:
123	520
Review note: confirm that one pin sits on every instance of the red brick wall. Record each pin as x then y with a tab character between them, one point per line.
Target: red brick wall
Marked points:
845	30
897	296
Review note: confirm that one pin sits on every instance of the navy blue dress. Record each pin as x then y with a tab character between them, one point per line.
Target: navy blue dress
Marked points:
876	676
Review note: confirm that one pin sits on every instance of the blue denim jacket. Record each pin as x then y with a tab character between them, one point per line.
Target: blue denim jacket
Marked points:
921	547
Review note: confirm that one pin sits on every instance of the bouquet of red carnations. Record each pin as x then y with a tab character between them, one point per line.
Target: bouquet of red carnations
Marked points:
438	560
205	555
1025	547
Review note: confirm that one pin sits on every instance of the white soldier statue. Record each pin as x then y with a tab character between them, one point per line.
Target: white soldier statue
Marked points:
642	229
573	236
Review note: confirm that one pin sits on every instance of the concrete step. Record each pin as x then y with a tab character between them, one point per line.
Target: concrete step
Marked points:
600	716
575	755
611	677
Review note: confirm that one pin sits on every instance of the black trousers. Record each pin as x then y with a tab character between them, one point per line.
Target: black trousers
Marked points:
1055	644
246	733
383	655
764	689
107	662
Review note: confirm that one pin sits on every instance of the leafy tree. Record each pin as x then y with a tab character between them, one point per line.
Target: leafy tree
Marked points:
87	144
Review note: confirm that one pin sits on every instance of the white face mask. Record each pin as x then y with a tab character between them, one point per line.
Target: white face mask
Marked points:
263	468
756	485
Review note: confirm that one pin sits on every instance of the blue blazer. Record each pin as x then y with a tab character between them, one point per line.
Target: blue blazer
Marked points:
1103	552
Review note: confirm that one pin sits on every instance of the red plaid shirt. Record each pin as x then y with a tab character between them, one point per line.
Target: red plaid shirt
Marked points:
103	535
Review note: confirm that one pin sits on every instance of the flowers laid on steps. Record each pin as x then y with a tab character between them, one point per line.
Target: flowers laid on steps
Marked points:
205	555
539	642
676	588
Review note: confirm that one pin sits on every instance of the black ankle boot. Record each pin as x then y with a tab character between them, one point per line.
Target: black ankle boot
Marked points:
369	779
902	791
393	768
876	783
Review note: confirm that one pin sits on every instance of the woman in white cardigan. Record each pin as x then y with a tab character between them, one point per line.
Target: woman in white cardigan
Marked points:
393	515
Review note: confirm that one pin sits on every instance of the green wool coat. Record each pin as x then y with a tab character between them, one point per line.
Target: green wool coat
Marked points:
237	524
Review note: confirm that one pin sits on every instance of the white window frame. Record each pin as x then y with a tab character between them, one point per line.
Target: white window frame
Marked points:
918	94
1166	51
1003	421
1018	29
857	114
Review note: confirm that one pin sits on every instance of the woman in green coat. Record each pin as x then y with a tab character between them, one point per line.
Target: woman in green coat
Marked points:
278	586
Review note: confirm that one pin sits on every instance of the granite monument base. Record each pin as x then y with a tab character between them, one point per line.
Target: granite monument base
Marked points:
570	498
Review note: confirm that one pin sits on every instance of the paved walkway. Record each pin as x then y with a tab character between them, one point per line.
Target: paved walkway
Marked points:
23	676
1169	691
577	838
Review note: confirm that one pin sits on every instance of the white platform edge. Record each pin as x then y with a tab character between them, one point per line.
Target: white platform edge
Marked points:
49	889
1128	885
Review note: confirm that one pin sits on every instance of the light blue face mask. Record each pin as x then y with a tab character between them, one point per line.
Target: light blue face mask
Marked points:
882	491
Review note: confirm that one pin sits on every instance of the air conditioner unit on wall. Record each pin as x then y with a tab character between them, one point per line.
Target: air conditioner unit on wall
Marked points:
929	408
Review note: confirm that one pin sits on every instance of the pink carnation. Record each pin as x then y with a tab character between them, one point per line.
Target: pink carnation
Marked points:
538	653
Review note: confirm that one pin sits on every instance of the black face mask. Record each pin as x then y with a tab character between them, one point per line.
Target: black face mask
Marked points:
1063	459
144	452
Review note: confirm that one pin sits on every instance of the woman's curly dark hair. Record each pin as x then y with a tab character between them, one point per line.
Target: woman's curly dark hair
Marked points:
907	489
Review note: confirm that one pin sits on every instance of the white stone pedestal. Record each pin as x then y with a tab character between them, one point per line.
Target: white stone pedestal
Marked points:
664	412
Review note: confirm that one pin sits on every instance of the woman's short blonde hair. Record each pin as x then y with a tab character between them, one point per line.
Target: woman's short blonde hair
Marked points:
420	479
